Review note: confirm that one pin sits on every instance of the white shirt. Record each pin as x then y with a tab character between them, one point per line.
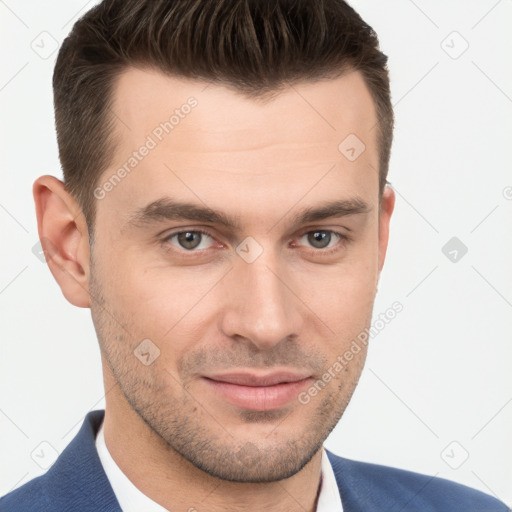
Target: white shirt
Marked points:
131	499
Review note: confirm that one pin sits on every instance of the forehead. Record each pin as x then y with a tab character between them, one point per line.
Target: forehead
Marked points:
145	98
212	144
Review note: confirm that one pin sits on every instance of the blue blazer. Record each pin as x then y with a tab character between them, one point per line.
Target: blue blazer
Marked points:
77	482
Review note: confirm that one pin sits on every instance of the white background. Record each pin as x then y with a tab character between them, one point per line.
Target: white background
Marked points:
439	373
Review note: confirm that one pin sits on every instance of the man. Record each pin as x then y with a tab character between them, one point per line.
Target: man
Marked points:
225	215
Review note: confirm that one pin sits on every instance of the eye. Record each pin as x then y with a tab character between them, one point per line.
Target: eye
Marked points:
190	240
321	238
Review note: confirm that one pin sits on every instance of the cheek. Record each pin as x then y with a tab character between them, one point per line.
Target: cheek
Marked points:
170	306
347	311
343	296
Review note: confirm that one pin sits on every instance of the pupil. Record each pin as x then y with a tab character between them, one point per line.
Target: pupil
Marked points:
319	239
189	239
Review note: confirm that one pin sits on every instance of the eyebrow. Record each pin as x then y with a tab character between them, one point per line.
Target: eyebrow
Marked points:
166	208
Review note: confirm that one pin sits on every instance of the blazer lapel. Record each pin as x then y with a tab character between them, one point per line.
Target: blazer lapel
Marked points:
356	496
77	481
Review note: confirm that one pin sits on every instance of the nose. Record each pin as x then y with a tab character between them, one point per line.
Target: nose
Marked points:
261	307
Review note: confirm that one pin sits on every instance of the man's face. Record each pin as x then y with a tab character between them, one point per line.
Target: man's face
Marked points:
230	311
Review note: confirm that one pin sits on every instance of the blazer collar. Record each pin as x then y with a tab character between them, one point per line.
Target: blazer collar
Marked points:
77	478
77	481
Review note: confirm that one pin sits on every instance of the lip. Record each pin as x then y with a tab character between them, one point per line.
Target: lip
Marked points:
257	392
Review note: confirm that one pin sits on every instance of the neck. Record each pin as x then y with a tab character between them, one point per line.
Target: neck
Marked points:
169	479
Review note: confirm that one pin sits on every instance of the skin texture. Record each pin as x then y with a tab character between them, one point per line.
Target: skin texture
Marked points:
296	307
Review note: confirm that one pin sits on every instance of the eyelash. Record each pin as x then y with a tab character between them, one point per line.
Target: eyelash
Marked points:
343	239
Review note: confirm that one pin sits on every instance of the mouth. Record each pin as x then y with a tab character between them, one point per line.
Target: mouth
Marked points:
257	392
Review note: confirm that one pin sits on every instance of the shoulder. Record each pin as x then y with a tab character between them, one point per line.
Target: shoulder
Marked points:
76	481
30	497
385	488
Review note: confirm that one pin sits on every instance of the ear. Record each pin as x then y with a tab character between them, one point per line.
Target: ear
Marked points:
386	210
64	238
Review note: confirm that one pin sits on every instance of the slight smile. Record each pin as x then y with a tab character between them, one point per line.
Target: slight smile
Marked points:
258	392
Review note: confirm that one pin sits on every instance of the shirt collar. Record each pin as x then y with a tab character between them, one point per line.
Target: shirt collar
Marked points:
131	499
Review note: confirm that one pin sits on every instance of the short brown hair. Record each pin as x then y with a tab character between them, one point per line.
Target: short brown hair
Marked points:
255	47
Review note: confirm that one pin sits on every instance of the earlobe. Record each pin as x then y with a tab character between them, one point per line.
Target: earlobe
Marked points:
64	238
386	211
